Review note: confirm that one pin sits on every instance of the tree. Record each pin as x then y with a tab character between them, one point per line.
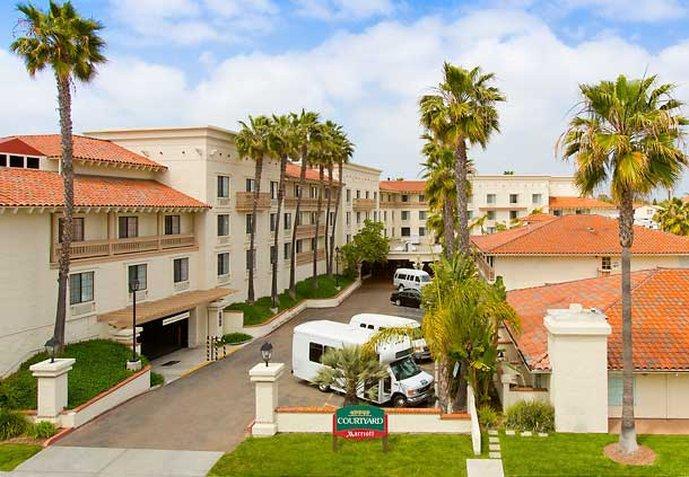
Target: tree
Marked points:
320	156
349	368
368	245
70	45
673	216
625	134
252	142
440	190
462	112
344	151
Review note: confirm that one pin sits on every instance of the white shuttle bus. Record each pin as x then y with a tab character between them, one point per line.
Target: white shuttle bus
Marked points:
406	384
375	322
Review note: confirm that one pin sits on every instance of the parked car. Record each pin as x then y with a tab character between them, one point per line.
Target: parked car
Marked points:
409	297
410	278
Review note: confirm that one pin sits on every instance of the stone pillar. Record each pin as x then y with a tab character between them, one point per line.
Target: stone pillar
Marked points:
578	353
52	387
265	379
216	318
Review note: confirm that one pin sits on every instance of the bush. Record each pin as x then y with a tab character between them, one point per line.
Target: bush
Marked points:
12	424
488	417
42	430
235	338
535	416
157	379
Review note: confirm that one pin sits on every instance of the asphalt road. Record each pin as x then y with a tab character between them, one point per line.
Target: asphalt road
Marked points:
210	409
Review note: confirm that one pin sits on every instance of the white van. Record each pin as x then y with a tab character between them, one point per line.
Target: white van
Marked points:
375	322
406	383
410	278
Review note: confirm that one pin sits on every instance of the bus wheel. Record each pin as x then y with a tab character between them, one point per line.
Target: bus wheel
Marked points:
324	388
399	401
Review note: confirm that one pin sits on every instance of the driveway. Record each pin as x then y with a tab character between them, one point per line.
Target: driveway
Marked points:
210	410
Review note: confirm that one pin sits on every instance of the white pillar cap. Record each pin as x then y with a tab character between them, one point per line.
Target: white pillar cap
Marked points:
48	369
576	320
263	373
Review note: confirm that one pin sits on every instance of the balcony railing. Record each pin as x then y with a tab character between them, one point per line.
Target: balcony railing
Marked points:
363	205
307	257
114	247
307	231
245	201
307	203
485	269
402	205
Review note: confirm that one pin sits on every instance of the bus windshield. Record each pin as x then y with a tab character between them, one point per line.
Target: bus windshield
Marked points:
425	278
404	368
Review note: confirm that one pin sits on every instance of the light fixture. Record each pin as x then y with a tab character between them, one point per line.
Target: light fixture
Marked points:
50	348
266	351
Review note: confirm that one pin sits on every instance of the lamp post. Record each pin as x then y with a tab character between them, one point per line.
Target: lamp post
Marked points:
337	267
50	347
266	352
133	288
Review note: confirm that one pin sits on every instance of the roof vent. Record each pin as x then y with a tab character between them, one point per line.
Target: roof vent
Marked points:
590	229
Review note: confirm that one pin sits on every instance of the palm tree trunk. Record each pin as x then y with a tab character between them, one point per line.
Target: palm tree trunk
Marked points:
276	240
328	262
66	169
254	208
293	257
448	229
337	211
318	223
628	442
461	172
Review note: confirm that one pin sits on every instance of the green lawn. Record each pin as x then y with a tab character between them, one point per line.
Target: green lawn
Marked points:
100	364
582	454
312	455
259	311
11	455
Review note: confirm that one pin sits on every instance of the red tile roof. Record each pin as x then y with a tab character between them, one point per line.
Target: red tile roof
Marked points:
564	202
660	316
578	235
537	218
414	187
35	188
294	170
85	149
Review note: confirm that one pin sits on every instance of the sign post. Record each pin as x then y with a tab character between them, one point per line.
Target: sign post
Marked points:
360	422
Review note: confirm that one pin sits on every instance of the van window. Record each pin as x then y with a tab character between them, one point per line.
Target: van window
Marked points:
425	278
362	325
417	280
387	385
370	327
315	352
402	276
404	369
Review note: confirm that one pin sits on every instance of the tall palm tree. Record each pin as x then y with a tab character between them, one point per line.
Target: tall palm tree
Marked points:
281	147
440	189
252	142
320	156
673	216
70	45
343	152
332	131
626	134
462	112
305	127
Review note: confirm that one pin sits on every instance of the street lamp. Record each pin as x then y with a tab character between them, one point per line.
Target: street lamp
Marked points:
50	348
134	286
266	352
337	267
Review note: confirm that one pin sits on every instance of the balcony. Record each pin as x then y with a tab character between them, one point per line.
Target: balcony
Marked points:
307	257
119	247
307	203
363	205
308	231
245	201
403	205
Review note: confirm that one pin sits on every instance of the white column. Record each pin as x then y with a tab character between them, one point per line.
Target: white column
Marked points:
578	353
265	379
52	387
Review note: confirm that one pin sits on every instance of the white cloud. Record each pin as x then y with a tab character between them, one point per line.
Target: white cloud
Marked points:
345	9
369	81
636	11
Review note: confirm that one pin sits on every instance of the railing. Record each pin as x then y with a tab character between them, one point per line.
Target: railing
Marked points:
307	231
307	257
105	248
402	205
306	202
361	205
486	270
245	201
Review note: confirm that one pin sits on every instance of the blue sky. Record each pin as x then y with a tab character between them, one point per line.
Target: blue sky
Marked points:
363	63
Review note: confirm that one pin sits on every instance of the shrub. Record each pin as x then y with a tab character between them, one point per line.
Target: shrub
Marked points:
42	430
12	424
535	416
157	379
488	417
235	338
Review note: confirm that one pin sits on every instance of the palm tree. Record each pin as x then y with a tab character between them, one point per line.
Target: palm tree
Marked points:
673	216
343	152
333	131
462	112
281	147
70	45
320	156
252	142
479	222
625	134
305	127
440	189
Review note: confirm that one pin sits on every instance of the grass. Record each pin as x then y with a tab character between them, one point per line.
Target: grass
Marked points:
11	455
157	379
582	454
100	364
260	311
312	455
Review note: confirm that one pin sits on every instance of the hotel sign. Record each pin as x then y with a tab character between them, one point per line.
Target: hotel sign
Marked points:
360	422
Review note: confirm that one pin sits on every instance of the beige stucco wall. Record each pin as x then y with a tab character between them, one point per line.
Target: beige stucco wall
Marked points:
658	396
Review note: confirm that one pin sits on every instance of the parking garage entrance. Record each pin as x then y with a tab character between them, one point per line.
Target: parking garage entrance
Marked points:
165	335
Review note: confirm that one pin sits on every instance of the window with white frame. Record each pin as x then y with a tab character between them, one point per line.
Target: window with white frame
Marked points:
140	273
274	190
514	214
172	225
128	227
348	218
223	225
286	250
348	195
358	217
273	254
273	222
248	220
490	199
223	264
536	199
77	229
490	215
80	287
422	215
24	162
606	263
406	232
250	260
405	198
180	270
249	185
223	187
405	215
422	231
514	198
288	221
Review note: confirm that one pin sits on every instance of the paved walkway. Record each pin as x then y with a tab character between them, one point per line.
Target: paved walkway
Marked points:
491	467
92	461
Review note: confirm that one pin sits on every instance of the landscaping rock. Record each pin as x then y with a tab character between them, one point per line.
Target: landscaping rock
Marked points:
526	434
510	432
542	434
493	440
492	432
494	447
494	455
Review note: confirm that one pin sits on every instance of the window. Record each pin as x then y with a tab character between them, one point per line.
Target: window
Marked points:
405	198
375	216
300	246
138	272
615	388
273	190
358	194
385	215
312	218
250	185
366	215
273	255
180	270
536	199
406	232
80	288
248	223
367	194
273	222
297	190
514	215
286	249
348	218
490	230
32	163
349	195
3	160
16	161
288	220
375	195
77	229
490	198
223	225
128	227
349	238
422	198
223	187
491	215
605	263
316	351
223	264
422	231
393	215
314	192
514	198
422	214
557	213
470	214
405	215
358	217
172	225
332	218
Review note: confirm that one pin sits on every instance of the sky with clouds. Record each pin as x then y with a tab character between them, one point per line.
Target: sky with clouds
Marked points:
363	63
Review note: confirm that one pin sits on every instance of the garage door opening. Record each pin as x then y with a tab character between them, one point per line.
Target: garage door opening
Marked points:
165	335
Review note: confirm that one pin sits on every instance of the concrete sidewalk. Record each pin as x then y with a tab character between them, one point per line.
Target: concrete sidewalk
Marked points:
98	461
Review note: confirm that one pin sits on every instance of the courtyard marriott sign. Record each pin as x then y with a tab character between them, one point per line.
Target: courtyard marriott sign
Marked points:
360	422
